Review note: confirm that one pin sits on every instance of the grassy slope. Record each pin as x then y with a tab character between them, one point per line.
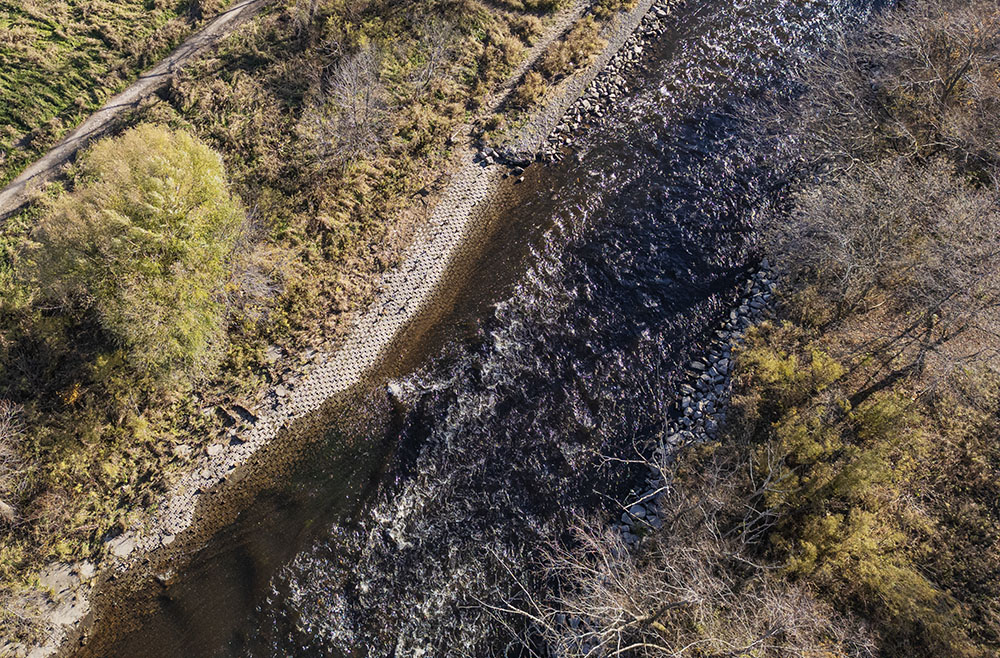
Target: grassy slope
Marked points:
61	59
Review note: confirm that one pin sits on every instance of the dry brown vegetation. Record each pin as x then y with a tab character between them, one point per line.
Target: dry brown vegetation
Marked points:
696	587
11	459
920	85
349	116
564	56
531	90
903	226
575	50
892	269
604	9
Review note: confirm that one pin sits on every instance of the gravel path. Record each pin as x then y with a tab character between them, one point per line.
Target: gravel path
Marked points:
19	191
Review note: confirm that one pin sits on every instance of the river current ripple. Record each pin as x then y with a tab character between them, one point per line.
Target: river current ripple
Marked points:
505	436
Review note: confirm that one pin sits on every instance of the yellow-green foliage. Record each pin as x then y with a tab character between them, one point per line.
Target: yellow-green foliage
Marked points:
573	51
436	63
845	487
784	377
144	240
860	461
887	475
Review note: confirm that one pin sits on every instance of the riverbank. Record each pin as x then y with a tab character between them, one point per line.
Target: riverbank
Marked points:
318	237
405	292
62	61
131	474
843	500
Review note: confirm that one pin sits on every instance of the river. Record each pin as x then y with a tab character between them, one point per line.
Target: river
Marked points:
413	516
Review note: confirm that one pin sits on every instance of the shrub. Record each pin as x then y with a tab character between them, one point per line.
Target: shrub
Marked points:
580	45
605	9
531	89
696	582
349	117
536	6
526	28
920	82
543	6
144	242
843	489
201	9
855	494
11	459
902	220
914	243
918	239
786	379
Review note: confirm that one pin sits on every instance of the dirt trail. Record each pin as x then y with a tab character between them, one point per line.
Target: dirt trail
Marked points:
19	191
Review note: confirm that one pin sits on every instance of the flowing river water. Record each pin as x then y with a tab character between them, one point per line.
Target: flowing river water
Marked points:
417	514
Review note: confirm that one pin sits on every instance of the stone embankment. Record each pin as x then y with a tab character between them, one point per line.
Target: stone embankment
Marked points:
586	99
610	85
701	401
403	293
590	106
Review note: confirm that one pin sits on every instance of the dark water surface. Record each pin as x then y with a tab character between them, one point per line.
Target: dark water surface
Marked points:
403	528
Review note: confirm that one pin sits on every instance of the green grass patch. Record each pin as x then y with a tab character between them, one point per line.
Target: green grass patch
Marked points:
61	59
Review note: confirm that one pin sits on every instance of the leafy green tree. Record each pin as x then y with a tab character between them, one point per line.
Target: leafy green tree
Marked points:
144	242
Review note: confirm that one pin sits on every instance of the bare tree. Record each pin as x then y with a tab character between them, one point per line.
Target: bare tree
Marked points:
11	459
437	43
691	588
303	13
683	595
912	242
918	82
349	115
903	216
